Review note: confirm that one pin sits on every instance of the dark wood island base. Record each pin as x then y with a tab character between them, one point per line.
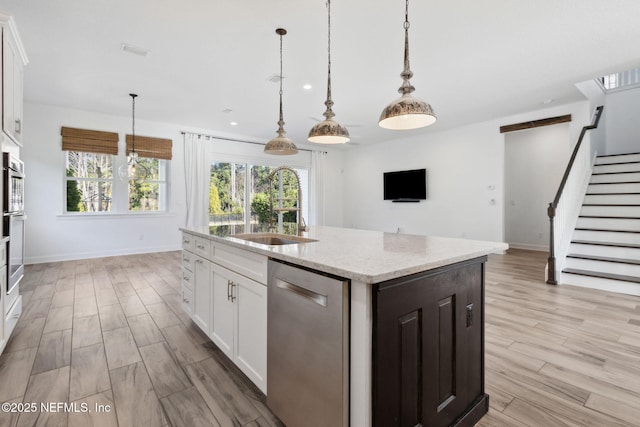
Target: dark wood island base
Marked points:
428	348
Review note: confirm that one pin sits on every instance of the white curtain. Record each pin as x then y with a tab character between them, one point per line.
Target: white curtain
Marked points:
196	181
316	196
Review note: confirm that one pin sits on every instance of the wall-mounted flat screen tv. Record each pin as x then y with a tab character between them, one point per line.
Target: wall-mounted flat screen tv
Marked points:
405	186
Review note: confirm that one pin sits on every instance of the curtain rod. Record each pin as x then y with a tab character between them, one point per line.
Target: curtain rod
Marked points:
183	132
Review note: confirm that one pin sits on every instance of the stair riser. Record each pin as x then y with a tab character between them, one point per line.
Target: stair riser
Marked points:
619	177
625	167
605	251
606	236
630	211
617	159
613	199
604	267
614	188
602	284
610	224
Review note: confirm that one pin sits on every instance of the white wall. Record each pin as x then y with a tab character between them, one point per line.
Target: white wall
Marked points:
465	174
535	160
622	124
52	236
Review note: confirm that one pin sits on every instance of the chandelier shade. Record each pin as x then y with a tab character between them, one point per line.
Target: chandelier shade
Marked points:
406	112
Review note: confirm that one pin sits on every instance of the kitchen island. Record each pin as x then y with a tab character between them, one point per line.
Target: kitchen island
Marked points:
416	315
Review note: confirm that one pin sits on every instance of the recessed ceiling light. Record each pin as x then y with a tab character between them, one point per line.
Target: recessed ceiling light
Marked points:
547	101
136	50
307	86
233	123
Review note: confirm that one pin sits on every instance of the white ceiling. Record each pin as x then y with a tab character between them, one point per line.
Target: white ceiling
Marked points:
472	60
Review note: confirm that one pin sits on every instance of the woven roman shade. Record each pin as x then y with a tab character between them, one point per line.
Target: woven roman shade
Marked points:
89	141
154	148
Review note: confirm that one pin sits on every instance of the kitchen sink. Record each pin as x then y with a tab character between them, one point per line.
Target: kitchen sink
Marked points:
273	239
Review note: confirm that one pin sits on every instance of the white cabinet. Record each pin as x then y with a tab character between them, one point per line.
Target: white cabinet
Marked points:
202	293
13	61
223	328
225	293
188	260
239	325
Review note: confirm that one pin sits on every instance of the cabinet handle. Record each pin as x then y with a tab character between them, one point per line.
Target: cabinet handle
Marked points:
18	126
185	300
185	277
228	290
186	241
185	259
233	287
199	261
200	246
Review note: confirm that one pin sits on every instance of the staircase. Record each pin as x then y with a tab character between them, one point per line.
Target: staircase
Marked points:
605	247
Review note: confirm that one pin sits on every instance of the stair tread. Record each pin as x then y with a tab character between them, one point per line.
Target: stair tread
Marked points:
604	156
605	258
598	274
606	229
614	244
610	204
614	173
613	194
609	217
614	182
617	163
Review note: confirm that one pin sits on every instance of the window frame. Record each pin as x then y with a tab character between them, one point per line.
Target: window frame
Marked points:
248	162
119	190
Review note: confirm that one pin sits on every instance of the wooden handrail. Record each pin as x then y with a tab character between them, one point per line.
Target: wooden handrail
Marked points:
551	210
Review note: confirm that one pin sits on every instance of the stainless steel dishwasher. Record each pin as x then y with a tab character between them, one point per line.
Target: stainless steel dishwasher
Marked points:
307	347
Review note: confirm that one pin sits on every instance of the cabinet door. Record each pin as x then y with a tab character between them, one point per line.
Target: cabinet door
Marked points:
12	88
222	324
202	293
251	330
428	347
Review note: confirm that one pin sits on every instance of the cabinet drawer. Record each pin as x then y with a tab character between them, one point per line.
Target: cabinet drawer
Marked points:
187	278
187	299
12	317
202	247
187	261
187	241
248	264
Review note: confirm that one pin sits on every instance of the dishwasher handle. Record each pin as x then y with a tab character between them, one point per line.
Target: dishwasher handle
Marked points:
308	294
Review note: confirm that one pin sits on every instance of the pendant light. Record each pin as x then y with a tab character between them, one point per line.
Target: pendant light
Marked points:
133	170
406	112
280	145
329	131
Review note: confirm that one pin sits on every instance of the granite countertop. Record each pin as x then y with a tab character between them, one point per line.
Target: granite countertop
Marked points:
362	255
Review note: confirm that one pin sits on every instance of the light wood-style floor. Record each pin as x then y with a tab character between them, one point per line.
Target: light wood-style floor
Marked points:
111	331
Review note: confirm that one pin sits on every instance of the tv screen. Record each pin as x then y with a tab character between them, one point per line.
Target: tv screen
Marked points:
405	186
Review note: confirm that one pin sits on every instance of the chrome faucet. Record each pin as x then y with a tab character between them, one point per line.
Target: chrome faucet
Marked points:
302	226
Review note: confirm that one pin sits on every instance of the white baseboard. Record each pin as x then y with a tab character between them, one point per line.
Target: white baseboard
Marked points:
98	254
529	247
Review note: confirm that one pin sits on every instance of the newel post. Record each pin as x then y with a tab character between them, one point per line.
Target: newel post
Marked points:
551	261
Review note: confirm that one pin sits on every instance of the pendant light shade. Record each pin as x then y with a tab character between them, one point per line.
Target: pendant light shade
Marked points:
133	169
280	145
329	131
406	112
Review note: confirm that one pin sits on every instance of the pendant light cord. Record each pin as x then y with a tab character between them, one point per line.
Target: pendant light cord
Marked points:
329	102
133	124
281	121
406	74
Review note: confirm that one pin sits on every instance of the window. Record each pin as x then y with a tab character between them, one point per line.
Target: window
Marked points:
151	193
89	181
91	163
238	188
